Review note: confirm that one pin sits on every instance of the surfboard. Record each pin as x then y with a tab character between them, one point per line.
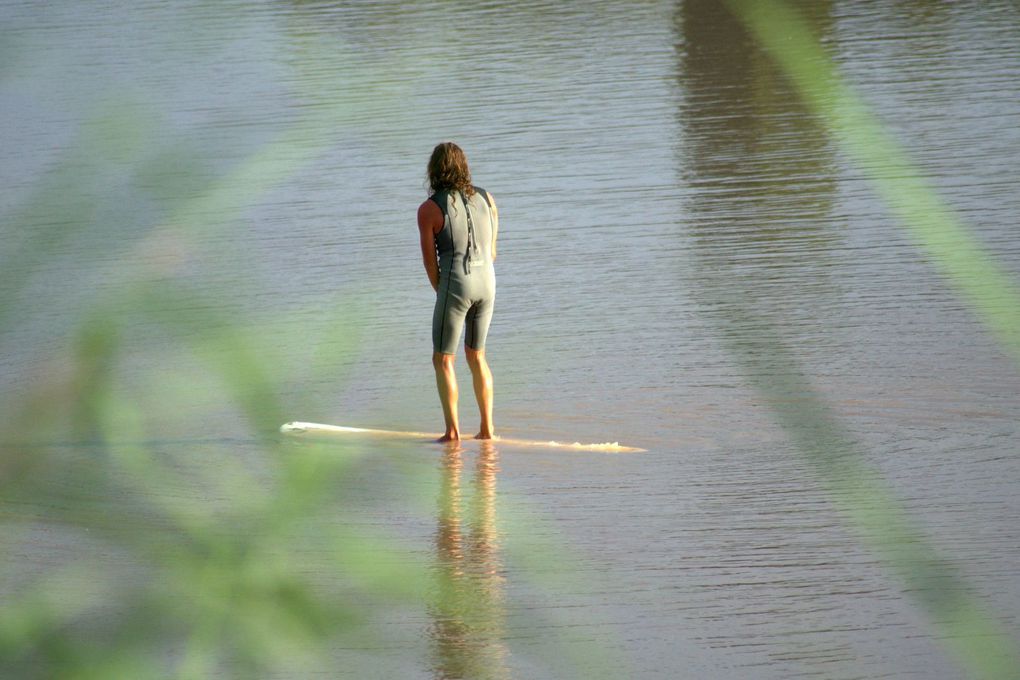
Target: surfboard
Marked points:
299	428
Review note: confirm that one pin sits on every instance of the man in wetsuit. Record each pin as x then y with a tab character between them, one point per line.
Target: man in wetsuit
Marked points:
458	225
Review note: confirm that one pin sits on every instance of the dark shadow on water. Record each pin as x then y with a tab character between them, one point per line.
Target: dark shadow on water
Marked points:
762	172
760	168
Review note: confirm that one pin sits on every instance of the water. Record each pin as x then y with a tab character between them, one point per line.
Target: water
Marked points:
657	180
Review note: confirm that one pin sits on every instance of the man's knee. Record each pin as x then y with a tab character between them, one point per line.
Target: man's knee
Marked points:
474	356
439	360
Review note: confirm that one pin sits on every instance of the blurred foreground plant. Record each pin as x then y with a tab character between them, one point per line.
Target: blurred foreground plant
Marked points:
137	541
967	627
152	521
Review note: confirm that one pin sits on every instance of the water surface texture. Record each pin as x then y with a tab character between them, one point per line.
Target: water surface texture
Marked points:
665	199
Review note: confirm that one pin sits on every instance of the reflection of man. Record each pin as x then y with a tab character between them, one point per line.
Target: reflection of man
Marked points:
467	609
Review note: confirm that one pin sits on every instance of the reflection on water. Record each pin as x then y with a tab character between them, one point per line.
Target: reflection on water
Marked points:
468	606
761	172
775	270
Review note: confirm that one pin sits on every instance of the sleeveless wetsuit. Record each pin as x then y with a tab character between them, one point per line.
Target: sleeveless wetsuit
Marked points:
467	282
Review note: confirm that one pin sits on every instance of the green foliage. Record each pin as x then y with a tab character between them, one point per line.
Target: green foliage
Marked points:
132	546
137	543
968	628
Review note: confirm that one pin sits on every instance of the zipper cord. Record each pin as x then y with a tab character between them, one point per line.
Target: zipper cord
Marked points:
472	244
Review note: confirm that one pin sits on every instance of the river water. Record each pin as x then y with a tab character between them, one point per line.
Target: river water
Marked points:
665	198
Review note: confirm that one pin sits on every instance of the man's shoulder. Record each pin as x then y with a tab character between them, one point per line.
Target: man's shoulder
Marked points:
483	193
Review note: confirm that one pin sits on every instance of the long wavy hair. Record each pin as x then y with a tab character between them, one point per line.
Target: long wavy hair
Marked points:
448	170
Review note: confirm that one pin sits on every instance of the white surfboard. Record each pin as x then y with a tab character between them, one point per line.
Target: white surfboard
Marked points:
321	430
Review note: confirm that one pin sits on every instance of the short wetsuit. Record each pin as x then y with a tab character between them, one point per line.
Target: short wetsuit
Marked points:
467	282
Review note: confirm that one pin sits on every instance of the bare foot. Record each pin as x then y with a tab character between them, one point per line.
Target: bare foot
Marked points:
485	434
453	436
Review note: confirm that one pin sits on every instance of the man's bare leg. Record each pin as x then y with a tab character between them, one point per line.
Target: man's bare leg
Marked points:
446	383
481	377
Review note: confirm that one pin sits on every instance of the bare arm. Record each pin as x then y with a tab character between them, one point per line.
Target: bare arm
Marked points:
430	221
